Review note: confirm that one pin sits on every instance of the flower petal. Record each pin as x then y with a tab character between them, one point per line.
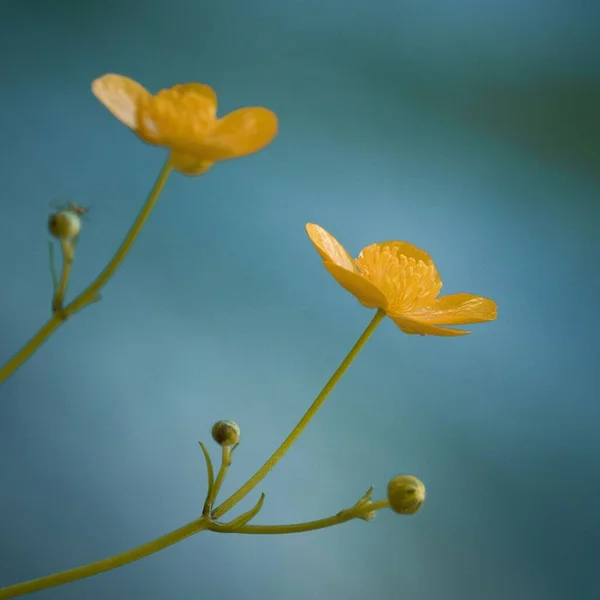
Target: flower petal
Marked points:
239	133
121	95
188	164
414	326
459	309
366	293
329	248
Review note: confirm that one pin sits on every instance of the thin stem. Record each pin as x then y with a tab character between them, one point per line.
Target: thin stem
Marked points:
341	517
30	347
52	268
211	479
90	294
35	585
68	251
225	462
240	521
310	413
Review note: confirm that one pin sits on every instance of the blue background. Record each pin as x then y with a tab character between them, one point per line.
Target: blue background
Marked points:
469	128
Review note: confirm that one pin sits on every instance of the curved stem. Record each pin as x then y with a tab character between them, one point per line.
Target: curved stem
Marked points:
90	294
68	251
310	413
211	479
341	517
30	347
52	269
35	585
225	462
240	521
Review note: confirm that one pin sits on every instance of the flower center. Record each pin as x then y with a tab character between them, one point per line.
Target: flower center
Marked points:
409	284
176	118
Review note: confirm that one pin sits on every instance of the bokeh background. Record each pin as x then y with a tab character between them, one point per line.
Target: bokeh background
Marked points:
469	128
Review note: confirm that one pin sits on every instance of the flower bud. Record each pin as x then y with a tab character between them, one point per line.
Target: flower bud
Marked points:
226	433
64	225
406	494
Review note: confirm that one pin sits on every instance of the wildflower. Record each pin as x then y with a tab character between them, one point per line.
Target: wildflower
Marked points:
406	494
401	280
184	120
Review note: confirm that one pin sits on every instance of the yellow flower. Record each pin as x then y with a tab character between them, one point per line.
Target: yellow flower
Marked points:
401	280
184	120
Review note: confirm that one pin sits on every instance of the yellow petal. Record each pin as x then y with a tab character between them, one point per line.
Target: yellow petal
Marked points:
367	294
329	248
415	326
121	95
459	309
239	133
188	164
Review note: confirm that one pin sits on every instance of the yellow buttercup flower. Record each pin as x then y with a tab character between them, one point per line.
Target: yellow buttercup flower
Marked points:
401	280
184	120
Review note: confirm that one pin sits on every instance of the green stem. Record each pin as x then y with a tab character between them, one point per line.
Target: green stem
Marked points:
68	250
30	347
52	269
90	294
35	585
240	521
310	413
225	462
341	517
211	480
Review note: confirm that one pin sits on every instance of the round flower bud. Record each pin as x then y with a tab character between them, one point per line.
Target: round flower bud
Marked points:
406	494
64	225
226	433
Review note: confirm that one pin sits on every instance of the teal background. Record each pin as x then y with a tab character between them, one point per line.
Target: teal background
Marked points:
469	128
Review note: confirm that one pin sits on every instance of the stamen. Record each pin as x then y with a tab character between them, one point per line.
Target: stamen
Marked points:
178	117
408	284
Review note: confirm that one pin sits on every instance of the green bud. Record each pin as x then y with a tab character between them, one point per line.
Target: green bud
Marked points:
64	225
406	494
226	433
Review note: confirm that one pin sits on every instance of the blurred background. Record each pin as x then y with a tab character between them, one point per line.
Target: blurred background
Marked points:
471	129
